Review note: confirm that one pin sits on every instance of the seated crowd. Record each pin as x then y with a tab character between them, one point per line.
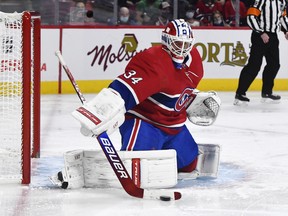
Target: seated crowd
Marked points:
196	12
144	12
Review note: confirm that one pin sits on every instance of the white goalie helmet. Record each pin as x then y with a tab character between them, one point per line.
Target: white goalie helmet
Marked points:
178	39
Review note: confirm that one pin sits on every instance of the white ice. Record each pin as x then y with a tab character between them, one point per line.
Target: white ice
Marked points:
253	174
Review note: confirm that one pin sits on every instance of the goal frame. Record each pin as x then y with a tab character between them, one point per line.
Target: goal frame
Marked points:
30	144
30	57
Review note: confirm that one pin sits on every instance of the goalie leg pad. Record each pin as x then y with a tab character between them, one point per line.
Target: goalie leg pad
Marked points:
71	175
208	160
148	169
207	163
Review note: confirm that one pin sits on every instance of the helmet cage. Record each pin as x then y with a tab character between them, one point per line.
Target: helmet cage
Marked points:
179	46
178	39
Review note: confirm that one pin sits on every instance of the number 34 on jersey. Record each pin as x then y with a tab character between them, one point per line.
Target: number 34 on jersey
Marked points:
132	75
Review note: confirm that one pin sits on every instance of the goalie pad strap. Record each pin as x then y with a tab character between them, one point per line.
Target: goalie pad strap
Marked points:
135	163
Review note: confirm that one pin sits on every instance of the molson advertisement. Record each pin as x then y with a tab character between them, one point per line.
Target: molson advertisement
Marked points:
96	56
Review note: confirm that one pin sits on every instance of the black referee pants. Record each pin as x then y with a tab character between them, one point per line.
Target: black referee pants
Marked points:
259	50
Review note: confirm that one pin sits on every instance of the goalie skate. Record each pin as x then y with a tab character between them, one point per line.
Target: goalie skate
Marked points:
58	180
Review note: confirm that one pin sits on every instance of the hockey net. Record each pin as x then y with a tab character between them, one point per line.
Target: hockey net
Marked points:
19	94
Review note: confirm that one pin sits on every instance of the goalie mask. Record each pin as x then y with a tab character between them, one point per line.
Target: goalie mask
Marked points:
177	39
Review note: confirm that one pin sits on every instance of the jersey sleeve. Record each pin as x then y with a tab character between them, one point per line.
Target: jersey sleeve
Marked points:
284	19
253	14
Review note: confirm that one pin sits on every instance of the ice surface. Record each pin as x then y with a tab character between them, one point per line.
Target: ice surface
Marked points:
253	174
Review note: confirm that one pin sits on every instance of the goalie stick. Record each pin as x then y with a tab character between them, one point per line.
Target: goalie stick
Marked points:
114	159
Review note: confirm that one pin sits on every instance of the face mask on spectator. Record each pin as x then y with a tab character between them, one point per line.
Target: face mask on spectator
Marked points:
124	19
190	14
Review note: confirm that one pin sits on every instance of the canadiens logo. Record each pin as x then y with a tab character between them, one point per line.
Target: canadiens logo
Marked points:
184	99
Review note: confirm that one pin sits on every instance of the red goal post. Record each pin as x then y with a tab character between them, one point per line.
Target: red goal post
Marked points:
20	36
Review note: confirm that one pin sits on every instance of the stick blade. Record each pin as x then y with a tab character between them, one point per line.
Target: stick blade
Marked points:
177	195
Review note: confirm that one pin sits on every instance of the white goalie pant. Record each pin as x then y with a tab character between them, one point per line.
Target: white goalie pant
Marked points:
147	169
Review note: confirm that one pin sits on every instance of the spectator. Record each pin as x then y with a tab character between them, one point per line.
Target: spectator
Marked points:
206	9
165	14
230	14
190	16
182	8
147	11
125	17
79	15
218	19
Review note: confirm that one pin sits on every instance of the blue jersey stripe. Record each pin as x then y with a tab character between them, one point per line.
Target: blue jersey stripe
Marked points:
125	93
166	100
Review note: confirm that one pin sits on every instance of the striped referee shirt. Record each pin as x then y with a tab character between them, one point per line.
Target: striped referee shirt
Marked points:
267	16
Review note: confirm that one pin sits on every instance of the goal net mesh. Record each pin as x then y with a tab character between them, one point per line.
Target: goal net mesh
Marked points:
11	99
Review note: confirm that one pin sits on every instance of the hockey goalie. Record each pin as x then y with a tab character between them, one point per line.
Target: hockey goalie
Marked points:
149	104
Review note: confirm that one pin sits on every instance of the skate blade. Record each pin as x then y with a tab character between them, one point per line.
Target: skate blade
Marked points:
240	103
270	101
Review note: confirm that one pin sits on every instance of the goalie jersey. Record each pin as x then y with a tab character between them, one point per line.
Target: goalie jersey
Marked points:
155	91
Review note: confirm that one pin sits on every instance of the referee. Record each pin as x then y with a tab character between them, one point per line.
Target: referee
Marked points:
265	18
